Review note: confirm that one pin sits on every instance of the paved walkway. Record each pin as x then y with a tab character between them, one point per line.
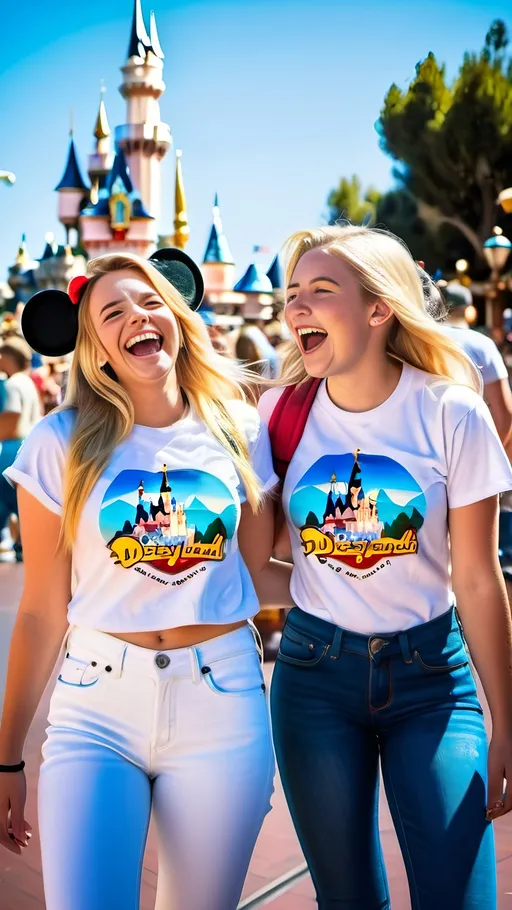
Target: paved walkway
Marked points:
277	851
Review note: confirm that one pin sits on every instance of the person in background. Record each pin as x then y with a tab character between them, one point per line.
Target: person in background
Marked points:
20	412
486	356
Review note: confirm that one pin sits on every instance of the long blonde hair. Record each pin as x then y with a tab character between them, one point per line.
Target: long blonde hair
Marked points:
385	270
105	414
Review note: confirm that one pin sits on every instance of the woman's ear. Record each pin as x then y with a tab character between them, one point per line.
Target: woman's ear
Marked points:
380	312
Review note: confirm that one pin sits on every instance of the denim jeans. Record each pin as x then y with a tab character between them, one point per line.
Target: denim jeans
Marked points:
341	704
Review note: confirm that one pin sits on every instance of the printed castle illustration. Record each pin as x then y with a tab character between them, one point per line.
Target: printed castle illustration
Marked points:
354	516
163	522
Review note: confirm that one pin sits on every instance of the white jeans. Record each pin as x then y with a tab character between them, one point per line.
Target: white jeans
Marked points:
182	734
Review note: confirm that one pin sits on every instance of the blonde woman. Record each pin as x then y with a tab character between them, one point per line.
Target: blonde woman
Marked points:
398	455
143	514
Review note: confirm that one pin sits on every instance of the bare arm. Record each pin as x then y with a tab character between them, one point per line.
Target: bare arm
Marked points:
498	396
271	578
483	607
40	625
9	422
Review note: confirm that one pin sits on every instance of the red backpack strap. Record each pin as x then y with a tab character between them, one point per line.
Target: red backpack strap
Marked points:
288	422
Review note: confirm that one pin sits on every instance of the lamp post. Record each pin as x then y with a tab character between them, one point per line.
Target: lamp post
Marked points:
496	251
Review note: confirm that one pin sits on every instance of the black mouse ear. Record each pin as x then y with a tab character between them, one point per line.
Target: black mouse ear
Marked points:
49	323
182	272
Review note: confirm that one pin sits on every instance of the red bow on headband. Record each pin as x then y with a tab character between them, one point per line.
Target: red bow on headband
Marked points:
75	288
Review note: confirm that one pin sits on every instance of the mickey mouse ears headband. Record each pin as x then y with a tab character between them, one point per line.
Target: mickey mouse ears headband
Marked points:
49	320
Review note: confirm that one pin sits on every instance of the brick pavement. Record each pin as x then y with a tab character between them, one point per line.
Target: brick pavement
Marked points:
277	850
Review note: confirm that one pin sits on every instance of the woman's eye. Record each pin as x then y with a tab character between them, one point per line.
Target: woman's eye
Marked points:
154	303
322	290
291	297
112	315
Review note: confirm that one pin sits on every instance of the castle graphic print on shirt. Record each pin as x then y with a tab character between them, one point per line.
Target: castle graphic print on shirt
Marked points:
357	509
173	519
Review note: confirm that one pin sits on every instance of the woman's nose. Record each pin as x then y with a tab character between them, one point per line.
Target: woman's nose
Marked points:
138	315
298	306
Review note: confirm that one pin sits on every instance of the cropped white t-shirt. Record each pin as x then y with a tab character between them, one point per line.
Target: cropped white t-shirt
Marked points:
156	545
366	498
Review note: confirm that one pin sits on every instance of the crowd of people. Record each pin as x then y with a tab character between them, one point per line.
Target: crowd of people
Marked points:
160	510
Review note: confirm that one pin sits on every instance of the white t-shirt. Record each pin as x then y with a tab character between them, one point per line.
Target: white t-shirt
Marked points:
366	498
156	545
21	397
482	350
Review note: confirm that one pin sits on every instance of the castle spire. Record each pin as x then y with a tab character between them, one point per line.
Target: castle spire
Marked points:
72	178
181	228
139	38
165	488
102	128
217	248
156	47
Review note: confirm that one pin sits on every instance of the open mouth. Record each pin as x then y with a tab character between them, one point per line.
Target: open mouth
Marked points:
311	339
144	344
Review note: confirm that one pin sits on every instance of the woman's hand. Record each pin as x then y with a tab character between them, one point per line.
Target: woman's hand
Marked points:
499	802
14	830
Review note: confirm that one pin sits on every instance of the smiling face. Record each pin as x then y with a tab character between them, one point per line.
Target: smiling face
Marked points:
329	315
138	330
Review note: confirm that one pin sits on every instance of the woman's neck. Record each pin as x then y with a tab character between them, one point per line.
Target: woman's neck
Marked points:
157	406
365	387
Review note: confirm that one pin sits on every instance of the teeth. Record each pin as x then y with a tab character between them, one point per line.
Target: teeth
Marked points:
146	336
302	332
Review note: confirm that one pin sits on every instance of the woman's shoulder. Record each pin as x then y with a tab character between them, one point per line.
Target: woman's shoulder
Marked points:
450	398
268	401
245	416
57	425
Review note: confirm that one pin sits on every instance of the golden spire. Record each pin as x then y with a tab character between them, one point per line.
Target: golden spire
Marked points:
22	256
102	128
181	228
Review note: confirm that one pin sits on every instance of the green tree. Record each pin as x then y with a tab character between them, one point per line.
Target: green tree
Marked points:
453	143
346	202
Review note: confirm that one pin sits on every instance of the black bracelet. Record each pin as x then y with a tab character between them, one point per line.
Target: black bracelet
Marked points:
12	768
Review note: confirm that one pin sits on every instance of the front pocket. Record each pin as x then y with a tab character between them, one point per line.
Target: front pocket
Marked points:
300	650
444	668
235	676
78	672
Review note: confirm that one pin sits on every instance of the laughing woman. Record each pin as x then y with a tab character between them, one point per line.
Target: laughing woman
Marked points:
143	514
398	451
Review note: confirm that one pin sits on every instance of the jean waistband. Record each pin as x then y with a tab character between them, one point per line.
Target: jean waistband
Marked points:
380	645
122	657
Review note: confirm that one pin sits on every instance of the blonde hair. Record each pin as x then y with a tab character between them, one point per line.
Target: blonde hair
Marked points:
105	414
385	270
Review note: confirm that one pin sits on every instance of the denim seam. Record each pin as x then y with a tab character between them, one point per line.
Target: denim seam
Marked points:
406	846
390	692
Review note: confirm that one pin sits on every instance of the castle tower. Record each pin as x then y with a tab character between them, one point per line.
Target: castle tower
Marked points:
275	274
72	191
101	159
165	491
334	484
355	485
140	491
218	265
22	277
144	139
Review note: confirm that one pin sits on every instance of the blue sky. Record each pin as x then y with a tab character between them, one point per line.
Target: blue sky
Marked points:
271	101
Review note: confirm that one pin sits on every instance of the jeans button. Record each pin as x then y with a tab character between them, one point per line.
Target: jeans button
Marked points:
376	644
162	661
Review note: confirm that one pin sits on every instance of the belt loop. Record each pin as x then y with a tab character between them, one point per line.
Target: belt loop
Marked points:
336	643
404	647
194	665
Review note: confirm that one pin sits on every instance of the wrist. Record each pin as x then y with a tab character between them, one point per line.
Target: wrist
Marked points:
11	753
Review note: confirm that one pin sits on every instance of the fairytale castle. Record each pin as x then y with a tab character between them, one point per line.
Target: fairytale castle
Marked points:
118	208
354	515
163	522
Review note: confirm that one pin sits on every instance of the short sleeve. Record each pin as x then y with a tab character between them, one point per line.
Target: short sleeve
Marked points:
493	366
258	443
39	464
267	403
477	464
13	403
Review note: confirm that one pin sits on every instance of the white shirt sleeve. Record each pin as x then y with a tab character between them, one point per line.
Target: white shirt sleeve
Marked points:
40	462
493	366
477	464
258	443
13	397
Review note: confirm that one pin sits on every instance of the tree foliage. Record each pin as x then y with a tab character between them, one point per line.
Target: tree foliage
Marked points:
453	143
452	147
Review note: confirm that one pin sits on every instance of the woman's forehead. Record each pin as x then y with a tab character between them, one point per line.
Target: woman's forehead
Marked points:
320	263
121	283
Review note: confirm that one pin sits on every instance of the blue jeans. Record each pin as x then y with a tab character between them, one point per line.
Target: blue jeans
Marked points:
343	701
